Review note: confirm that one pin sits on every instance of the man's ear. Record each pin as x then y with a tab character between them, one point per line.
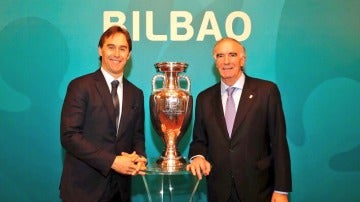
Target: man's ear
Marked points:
99	51
129	56
243	61
214	56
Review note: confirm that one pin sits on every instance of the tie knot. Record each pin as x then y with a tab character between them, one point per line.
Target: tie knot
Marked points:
115	83
230	90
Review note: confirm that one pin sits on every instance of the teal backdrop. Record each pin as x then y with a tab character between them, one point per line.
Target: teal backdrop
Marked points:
310	48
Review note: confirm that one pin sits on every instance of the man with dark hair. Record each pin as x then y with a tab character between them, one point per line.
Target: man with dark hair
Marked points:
102	127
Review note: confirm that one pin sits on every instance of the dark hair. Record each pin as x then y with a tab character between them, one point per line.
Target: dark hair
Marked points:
114	30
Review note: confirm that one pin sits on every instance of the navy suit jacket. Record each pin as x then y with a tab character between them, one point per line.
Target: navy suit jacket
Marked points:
88	135
256	156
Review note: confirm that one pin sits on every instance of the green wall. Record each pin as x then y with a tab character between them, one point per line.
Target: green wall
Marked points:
310	48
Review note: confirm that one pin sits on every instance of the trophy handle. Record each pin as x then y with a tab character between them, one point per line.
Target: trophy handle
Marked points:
187	80
154	81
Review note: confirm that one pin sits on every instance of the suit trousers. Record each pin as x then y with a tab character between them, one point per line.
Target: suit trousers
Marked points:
234	196
112	192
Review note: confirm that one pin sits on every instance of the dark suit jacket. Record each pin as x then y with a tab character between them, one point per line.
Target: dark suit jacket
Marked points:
88	134
257	155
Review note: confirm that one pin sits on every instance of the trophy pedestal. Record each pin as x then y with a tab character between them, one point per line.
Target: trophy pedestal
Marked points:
173	186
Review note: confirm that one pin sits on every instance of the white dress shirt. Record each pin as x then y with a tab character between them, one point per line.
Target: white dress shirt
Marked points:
109	79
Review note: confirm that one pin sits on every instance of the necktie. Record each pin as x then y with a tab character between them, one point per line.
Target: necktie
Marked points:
230	110
115	99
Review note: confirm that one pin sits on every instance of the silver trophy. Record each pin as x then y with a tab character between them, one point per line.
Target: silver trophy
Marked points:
170	111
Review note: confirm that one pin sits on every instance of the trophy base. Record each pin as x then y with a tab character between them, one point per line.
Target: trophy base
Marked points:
171	164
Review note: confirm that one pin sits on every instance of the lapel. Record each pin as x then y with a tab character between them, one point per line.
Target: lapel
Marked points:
105	95
248	95
127	106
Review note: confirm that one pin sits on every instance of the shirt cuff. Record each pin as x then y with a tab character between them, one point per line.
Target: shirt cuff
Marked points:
195	157
281	192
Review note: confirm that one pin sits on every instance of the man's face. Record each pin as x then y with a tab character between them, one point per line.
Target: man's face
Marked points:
229	59
115	53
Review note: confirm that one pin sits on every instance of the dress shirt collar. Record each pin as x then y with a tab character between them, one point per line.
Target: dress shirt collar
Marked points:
110	78
239	84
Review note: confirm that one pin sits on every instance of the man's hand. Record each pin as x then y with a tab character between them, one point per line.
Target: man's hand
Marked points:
129	164
278	197
199	166
140	161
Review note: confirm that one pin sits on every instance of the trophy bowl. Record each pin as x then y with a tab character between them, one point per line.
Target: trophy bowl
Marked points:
170	112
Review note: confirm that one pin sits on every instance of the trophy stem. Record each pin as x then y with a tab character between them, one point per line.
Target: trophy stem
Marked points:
170	160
